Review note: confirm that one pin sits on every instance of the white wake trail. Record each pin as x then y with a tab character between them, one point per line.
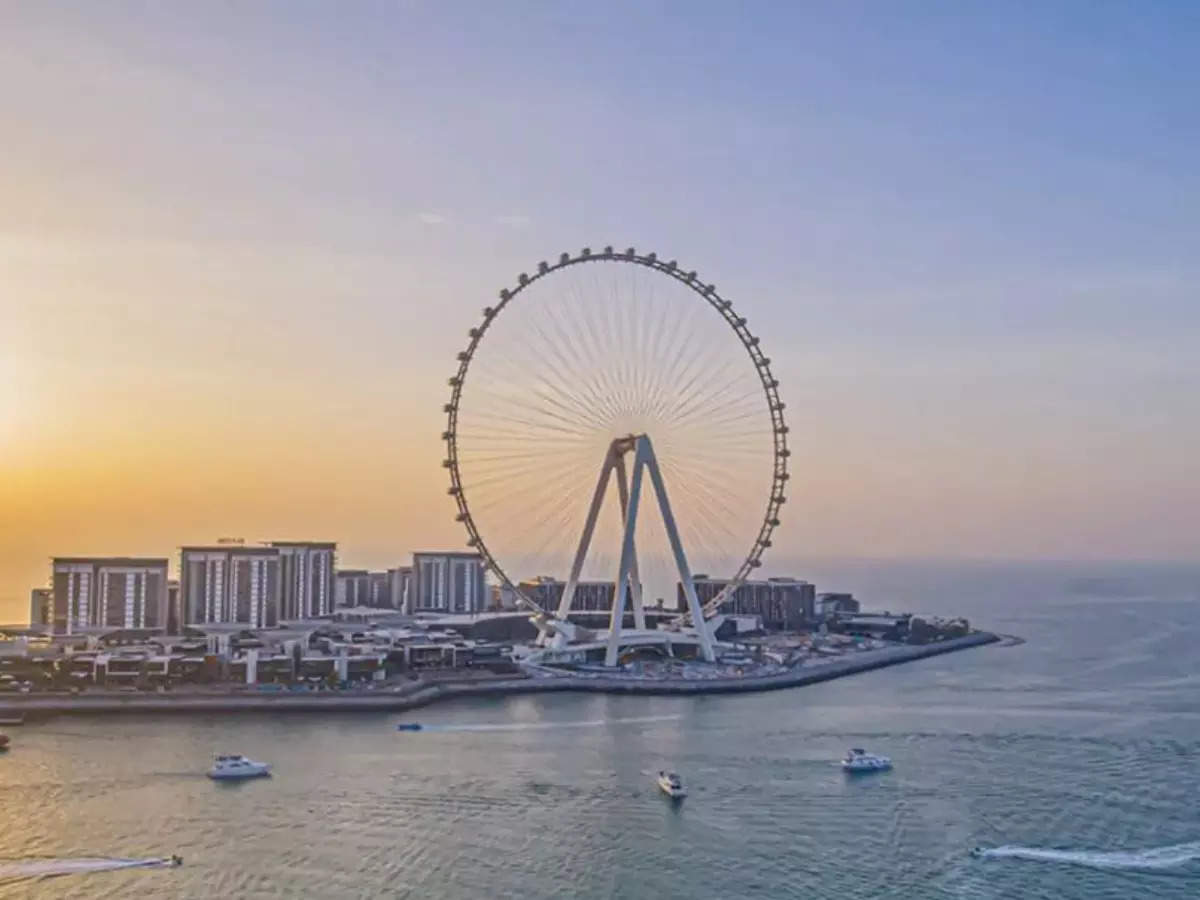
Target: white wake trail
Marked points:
1155	859
549	726
40	868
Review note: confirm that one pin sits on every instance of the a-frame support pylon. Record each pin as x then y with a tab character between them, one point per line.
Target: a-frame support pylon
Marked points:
628	583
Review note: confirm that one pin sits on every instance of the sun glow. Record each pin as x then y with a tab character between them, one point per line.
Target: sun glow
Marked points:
12	399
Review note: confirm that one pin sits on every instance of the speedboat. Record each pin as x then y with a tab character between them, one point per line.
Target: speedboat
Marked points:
237	766
671	785
859	760
977	852
409	726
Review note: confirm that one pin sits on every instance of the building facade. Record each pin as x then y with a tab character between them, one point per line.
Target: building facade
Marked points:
503	597
830	604
379	590
41	606
230	584
352	587
108	592
174	608
307	577
449	582
783	603
402	588
590	596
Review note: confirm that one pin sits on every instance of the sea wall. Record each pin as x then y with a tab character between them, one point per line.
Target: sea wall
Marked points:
416	695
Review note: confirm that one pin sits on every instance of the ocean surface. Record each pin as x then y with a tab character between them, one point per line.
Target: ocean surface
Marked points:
1072	759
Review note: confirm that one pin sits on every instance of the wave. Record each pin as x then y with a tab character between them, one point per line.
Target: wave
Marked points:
42	868
543	726
1156	859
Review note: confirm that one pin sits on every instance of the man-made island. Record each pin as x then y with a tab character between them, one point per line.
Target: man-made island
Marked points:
373	660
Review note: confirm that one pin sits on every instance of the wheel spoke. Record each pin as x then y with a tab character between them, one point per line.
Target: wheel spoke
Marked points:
593	350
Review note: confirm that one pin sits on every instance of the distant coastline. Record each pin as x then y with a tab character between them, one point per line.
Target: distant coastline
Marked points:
423	694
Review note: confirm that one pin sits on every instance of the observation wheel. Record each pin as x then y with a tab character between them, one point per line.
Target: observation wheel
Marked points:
577	360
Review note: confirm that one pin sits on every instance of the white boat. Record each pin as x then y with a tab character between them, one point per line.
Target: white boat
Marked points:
236	766
671	785
859	760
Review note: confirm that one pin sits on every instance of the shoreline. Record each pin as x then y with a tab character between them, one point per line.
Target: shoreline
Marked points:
426	694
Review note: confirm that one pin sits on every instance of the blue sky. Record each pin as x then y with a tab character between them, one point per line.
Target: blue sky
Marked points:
885	150
966	231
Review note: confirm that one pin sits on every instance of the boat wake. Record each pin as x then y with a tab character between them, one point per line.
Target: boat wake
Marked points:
1154	860
44	868
548	726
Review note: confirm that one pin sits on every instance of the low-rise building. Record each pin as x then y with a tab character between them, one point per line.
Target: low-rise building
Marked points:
884	626
831	604
927	629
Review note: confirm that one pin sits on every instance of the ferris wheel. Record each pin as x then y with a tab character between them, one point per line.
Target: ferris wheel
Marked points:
581	363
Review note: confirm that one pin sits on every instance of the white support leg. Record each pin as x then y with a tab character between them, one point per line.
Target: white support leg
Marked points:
685	573
635	577
627	552
611	459
628	585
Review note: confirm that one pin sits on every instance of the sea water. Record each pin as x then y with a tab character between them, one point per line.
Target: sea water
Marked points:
1072	760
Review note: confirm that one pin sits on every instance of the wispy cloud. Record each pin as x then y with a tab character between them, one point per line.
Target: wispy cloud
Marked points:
431	218
512	221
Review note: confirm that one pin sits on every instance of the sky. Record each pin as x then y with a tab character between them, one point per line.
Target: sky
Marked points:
241	244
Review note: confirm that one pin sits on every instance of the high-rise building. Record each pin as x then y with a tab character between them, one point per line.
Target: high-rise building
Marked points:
230	584
41	606
402	588
108	592
174	608
352	587
783	603
449	582
590	596
379	590
307	577
795	601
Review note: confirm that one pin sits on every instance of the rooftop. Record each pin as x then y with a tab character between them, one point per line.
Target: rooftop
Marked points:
233	549
145	561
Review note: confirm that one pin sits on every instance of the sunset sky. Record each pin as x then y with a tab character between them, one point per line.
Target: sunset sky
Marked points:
241	243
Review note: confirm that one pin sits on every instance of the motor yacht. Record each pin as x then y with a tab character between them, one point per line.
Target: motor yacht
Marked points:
671	785
237	766
859	760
